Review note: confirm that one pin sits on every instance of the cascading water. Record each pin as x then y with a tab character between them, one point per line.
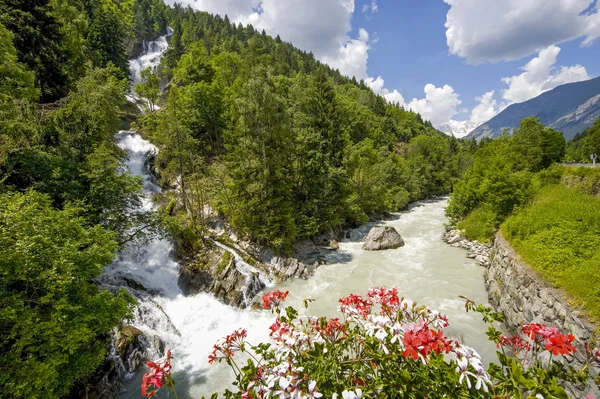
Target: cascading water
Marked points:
150	58
425	270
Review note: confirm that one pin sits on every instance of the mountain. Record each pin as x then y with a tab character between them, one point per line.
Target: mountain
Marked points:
458	129
569	108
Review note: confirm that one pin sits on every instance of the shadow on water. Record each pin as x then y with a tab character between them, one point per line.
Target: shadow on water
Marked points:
338	257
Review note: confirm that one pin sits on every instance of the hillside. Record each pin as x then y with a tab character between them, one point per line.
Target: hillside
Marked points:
569	108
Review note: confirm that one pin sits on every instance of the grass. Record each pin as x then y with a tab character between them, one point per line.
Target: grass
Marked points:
558	234
583	179
479	225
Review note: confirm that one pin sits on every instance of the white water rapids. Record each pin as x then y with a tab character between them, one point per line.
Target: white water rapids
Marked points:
425	270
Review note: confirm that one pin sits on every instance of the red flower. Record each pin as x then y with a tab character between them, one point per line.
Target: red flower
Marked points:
226	348
411	342
274	298
387	297
160	372
515	343
356	304
560	344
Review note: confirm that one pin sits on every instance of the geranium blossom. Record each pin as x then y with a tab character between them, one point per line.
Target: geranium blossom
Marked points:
159	374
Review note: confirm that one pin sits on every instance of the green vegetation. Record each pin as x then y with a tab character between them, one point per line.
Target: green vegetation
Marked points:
558	234
505	174
281	145
480	224
53	319
64	196
584	144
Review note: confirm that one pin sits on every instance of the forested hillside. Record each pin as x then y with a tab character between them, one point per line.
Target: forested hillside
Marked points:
63	194
281	145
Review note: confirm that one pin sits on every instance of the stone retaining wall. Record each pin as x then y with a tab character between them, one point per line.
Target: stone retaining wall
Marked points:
522	296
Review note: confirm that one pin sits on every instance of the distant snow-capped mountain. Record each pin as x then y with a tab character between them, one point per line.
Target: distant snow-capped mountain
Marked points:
458	128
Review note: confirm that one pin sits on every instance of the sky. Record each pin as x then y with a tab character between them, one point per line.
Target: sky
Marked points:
461	60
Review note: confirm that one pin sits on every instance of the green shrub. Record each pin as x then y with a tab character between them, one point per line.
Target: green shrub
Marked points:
481	224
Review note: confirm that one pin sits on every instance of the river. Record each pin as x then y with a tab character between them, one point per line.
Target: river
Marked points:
425	270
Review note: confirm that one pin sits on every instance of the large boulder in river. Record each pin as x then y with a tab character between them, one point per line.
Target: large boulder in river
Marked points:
383	237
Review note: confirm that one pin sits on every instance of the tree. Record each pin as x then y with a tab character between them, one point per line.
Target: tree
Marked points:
17	83
260	146
91	114
149	88
53	319
106	37
535	146
38	40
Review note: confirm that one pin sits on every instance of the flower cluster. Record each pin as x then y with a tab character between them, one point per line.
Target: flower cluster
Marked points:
384	346
274	299
514	343
399	329
538	334
467	356
159	375
228	346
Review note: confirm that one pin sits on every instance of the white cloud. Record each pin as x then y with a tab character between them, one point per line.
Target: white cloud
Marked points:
482	31
377	85
372	8
486	108
540	75
351	57
439	105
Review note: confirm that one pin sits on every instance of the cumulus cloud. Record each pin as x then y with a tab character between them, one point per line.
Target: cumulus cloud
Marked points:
488	31
377	85
351	58
485	109
439	105
319	26
540	75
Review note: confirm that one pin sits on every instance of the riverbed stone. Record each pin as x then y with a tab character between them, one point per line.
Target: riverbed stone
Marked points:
383	237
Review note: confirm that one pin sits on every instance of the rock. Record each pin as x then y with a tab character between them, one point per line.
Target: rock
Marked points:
454	239
481	259
383	237
333	244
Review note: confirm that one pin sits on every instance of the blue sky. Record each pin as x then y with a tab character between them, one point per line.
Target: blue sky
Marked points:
450	60
412	51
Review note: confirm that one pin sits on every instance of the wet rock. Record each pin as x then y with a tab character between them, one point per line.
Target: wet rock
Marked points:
381	238
215	270
333	244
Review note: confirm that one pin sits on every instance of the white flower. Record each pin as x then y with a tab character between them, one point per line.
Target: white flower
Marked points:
352	394
311	390
468	356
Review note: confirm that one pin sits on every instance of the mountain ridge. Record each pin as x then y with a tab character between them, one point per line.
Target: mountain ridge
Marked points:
570	108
